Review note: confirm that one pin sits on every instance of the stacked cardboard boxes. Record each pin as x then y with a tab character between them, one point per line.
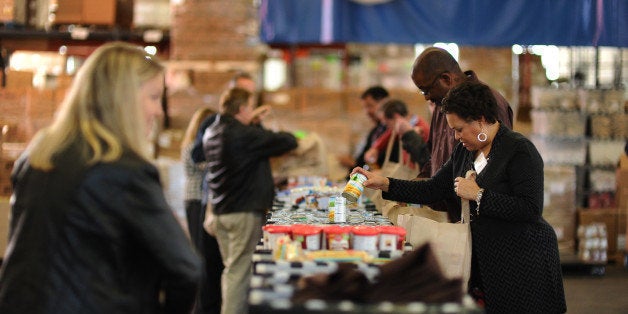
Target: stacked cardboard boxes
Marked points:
559	204
614	218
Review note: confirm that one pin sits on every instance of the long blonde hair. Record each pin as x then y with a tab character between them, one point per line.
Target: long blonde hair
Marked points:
197	118
102	110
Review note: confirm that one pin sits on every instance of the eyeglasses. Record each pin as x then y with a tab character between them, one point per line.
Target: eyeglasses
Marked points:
426	90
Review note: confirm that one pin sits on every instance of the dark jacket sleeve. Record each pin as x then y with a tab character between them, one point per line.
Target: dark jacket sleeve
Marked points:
135	196
435	189
267	143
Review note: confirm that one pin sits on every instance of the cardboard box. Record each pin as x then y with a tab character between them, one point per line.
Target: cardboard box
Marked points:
19	79
7	11
559	190
608	216
564	224
98	12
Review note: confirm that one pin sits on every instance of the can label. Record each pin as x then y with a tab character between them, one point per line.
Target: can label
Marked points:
388	242
338	242
331	209
365	243
340	212
354	187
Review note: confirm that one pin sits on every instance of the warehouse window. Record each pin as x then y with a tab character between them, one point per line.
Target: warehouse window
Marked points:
275	69
584	66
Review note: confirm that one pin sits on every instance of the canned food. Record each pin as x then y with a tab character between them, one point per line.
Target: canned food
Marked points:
355	186
337	237
365	238
272	233
391	238
308	235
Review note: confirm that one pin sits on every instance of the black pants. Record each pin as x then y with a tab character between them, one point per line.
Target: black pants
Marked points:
209	297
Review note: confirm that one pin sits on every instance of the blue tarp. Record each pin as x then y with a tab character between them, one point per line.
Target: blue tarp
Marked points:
465	22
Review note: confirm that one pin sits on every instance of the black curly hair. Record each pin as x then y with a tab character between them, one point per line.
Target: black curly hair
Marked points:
471	101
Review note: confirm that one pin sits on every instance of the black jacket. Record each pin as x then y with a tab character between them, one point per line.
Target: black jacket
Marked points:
515	251
239	175
95	239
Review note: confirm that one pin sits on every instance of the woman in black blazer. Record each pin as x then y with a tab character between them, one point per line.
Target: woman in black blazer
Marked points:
515	261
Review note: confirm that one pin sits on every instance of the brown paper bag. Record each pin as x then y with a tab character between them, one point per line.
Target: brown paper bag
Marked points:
393	209
451	243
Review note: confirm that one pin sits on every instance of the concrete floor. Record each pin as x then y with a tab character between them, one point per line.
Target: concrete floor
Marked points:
607	293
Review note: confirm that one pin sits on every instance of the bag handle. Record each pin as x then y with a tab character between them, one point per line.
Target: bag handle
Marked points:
465	212
393	133
391	141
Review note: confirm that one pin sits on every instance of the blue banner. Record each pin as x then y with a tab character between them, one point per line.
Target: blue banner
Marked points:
465	22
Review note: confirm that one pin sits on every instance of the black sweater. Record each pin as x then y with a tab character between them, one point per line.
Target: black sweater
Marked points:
239	177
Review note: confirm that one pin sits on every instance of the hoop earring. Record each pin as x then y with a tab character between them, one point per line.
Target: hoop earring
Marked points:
482	137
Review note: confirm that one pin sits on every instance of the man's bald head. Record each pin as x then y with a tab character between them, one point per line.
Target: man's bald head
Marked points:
433	61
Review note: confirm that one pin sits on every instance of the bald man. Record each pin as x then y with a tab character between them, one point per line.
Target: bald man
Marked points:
435	72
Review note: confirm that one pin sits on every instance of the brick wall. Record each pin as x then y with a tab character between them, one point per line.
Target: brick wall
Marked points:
213	30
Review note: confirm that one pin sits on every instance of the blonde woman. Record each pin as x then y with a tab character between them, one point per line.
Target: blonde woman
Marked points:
194	173
91	231
209	295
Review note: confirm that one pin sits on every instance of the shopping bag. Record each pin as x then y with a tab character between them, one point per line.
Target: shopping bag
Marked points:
392	210
397	170
451	241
